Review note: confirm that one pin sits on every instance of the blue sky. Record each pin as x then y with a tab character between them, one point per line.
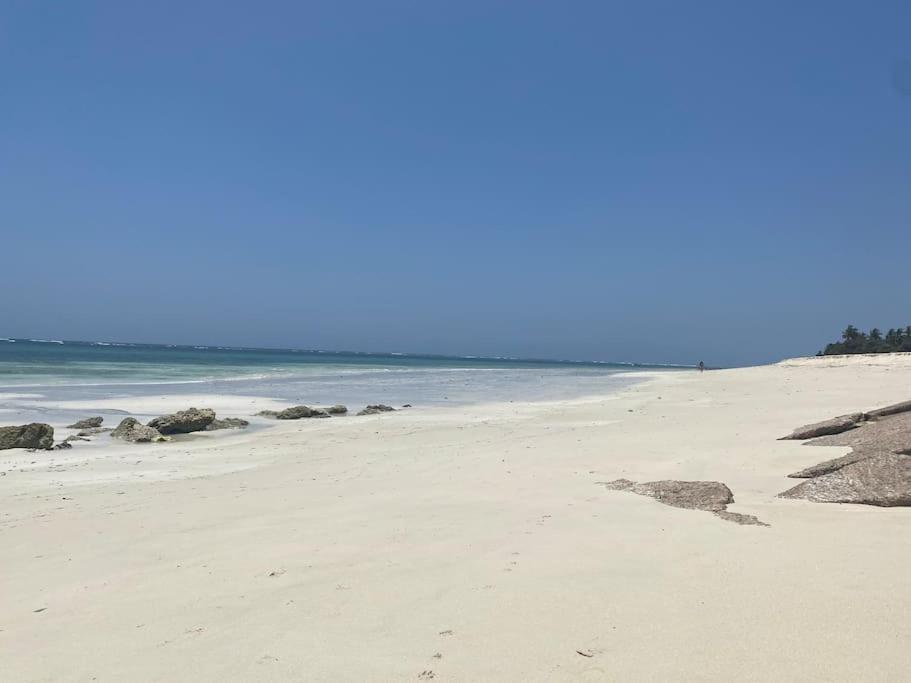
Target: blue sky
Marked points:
642	181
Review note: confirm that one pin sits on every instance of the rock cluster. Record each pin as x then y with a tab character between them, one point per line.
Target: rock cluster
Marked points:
41	436
300	412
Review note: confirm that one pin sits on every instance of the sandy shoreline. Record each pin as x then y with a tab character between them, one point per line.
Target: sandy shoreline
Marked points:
359	549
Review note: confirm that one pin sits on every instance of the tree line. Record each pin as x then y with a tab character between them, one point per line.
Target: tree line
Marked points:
854	340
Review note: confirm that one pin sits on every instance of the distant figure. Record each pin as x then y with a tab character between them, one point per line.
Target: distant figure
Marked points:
701	366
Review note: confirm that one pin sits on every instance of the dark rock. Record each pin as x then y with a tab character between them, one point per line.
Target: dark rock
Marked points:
337	410
834	426
35	435
406	405
131	429
87	423
227	423
294	413
883	480
894	409
63	445
319	412
376	408
76	437
267	413
184	421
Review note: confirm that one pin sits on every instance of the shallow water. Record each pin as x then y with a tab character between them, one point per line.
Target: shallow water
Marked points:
36	375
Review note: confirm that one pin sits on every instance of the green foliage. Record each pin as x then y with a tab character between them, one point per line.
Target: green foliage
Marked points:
857	341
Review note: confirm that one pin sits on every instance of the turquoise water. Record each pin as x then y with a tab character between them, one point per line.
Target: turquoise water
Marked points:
50	362
53	371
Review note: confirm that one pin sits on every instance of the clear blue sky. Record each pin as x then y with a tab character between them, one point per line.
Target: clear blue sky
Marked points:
643	181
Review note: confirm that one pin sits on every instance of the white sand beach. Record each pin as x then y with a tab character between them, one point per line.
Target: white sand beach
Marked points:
463	544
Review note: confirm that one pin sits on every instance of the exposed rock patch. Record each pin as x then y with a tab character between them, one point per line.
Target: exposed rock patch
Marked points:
300	412
184	421
132	430
738	518
35	435
375	409
87	423
711	496
226	423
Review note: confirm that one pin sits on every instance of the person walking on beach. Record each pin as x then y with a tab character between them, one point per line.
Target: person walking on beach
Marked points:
701	366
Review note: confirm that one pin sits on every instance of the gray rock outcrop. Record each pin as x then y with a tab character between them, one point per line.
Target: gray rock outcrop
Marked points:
35	435
87	423
894	409
337	409
875	472
184	421
267	413
132	430
883	480
836	425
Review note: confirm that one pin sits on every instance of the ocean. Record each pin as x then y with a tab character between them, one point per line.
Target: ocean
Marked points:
51	371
